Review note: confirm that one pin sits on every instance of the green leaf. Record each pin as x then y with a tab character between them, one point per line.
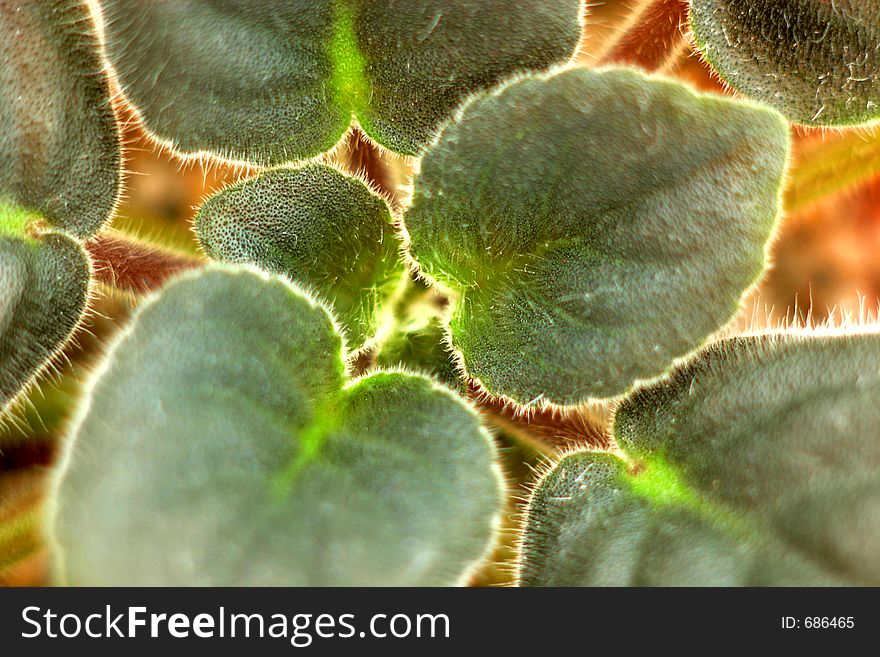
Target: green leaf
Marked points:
596	225
43	293
224	445
277	81
320	228
752	464
59	165
818	62
422	58
423	349
59	145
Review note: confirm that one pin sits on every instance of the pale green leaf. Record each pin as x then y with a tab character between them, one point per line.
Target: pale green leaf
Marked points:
43	293
223	444
59	147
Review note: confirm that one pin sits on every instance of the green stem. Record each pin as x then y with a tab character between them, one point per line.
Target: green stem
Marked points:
18	536
396	317
832	165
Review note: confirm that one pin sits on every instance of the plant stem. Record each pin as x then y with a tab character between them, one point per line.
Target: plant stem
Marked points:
383	171
832	163
549	430
395	320
127	264
650	38
21	505
396	307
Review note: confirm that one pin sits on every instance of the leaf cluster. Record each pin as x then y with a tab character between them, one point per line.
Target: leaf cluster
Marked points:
299	412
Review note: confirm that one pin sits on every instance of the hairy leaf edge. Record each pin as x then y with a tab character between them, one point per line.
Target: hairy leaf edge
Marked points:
395	212
725	330
50	511
698	46
207	158
33	229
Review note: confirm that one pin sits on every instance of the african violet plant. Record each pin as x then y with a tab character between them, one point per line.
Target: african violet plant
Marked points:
593	230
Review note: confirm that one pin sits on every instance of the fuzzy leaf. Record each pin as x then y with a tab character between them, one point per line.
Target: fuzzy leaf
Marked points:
278	81
753	464
59	165
44	286
423	349
224	445
818	62
59	147
597	225
423	57
322	229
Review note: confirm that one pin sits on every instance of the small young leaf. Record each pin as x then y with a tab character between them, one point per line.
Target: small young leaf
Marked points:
322	229
597	225
753	464
818	62
424	350
224	445
278	81
43	292
59	146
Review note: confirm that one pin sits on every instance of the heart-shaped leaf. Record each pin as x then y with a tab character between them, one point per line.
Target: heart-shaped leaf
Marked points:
275	81
753	464
224	444
322	229
596	225
816	61
43	292
59	147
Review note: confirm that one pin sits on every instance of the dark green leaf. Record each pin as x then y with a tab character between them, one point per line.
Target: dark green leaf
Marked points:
59	147
423	57
43	292
818	62
320	228
753	464
59	165
279	81
224	444
597	225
